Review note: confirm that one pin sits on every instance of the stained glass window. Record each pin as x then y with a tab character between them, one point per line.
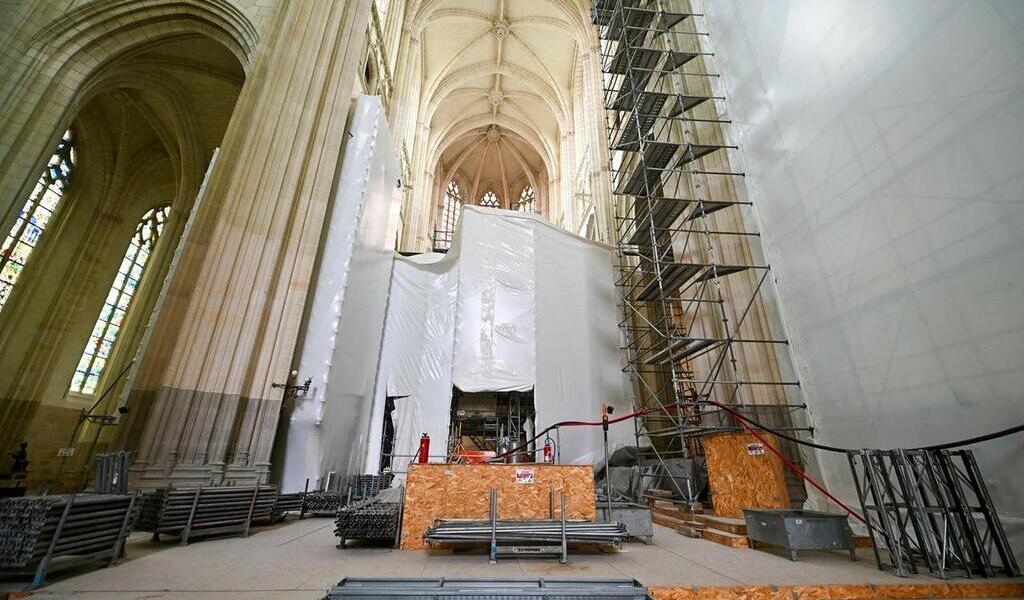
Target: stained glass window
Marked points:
119	298
35	215
491	200
527	200
450	212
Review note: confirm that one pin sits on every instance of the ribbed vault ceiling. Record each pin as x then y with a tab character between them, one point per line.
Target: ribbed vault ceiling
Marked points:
503	63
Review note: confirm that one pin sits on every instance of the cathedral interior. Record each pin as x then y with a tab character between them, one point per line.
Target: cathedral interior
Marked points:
304	297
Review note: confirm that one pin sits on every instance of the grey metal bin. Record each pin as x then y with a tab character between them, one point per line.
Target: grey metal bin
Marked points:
795	529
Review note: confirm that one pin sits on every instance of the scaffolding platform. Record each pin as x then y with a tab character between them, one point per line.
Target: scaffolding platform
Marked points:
648	108
681	348
666	211
676	275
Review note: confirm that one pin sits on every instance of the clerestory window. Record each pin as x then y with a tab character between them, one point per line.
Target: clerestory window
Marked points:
115	307
35	215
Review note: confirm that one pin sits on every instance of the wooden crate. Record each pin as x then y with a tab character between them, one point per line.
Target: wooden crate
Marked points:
744	474
444	491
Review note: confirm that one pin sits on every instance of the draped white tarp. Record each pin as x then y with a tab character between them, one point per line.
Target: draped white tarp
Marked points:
516	305
327	429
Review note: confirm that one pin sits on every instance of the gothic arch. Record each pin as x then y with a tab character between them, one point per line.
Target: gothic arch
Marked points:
80	46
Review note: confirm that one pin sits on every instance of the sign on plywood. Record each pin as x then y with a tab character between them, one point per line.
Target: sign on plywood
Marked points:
755	449
524	475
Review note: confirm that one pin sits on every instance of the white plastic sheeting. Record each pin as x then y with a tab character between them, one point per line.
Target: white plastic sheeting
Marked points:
495	333
515	305
888	180
327	429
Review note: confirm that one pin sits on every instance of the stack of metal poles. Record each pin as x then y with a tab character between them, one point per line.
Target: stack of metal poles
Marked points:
112	472
288	503
376	518
324	503
523	537
361	487
266	502
36	529
514	531
446	588
194	512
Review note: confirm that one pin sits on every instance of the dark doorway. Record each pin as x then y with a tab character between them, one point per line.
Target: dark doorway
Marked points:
387	438
486	424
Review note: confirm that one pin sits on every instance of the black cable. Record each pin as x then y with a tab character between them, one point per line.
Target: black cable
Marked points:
977	440
945	446
775	432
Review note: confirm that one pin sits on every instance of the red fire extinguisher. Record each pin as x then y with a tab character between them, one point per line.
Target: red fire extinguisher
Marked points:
549	451
424	448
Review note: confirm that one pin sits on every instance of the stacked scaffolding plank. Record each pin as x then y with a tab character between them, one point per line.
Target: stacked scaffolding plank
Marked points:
327	503
204	511
488	589
692	278
376	518
36	530
288	503
324	503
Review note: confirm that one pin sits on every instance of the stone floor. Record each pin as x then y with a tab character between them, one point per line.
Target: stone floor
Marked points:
299	560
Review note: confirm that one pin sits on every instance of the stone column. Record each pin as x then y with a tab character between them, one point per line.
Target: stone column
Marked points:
403	114
593	89
563	205
215	412
422	195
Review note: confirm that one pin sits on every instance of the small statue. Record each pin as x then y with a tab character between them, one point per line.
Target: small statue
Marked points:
19	459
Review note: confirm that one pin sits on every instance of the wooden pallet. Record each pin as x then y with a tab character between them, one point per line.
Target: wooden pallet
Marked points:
726	524
728	531
725	538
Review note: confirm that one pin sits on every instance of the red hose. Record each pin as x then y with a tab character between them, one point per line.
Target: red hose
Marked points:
792	467
742	421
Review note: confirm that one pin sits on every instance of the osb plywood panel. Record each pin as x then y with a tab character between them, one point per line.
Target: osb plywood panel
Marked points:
843	592
442	491
740	477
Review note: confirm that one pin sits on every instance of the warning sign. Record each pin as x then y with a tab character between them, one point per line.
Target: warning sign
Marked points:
755	449
524	475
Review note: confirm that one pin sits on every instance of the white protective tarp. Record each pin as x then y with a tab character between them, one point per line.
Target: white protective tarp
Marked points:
516	304
327	430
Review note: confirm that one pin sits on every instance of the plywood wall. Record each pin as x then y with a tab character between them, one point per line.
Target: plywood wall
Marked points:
744	474
444	491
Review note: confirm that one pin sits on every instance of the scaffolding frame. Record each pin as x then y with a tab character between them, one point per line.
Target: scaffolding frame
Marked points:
689	281
930	508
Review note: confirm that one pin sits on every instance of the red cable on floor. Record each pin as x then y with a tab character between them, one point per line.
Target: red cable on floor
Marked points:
789	464
792	467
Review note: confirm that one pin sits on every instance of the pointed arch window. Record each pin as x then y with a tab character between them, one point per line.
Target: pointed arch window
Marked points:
35	215
527	200
115	307
491	200
451	210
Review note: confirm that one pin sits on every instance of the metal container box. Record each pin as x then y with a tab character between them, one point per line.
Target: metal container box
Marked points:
794	530
452	588
636	518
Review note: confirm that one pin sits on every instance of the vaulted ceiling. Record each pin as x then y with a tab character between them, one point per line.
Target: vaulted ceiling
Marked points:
502	68
490	160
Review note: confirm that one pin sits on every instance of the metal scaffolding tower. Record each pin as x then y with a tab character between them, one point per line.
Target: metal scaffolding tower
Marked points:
696	318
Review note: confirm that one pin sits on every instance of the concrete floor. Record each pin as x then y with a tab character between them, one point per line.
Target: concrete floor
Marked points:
299	560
